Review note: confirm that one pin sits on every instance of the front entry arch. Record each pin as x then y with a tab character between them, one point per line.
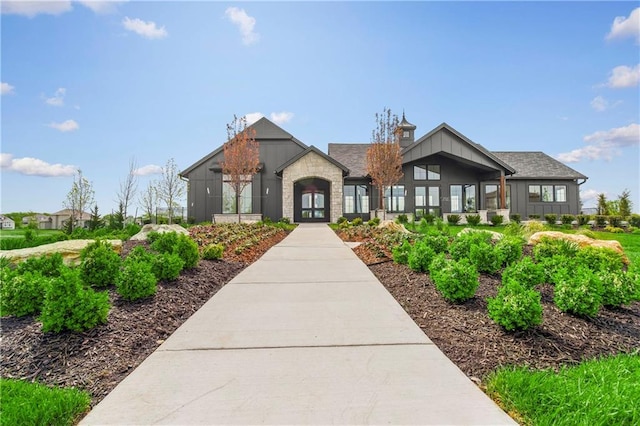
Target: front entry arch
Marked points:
312	200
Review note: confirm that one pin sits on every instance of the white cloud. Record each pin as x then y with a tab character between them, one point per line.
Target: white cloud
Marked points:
245	24
624	76
589	196
102	6
34	166
599	103
150	169
58	97
6	89
65	126
626	26
604	145
33	8
145	29
252	117
281	117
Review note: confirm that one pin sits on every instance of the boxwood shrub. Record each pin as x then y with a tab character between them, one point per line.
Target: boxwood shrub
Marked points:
457	281
579	292
473	219
213	251
167	266
21	294
486	257
100	264
515	307
401	252
136	280
420	256
525	272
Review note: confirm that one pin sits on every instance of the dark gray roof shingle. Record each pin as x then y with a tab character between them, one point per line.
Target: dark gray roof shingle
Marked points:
352	155
537	165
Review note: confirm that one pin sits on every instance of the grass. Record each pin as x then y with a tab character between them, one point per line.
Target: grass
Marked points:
25	403
605	391
19	233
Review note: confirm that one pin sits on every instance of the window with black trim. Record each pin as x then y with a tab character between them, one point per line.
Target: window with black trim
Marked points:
548	193
426	172
394	198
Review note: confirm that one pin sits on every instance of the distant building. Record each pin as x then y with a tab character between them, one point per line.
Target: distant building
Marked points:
7	223
43	221
59	219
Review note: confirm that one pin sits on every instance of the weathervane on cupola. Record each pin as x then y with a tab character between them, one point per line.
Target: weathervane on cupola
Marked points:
407	135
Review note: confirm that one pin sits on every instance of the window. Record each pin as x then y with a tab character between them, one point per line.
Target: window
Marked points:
394	198
491	196
548	193
426	172
427	200
405	134
463	198
229	196
356	199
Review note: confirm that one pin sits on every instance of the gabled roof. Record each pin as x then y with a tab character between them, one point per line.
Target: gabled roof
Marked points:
67	212
537	165
475	146
265	130
352	155
345	171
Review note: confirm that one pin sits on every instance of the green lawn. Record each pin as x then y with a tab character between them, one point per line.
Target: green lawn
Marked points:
19	233
598	392
24	403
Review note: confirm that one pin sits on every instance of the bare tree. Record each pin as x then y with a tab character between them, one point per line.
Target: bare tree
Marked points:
149	199
241	157
384	156
79	198
171	188
128	188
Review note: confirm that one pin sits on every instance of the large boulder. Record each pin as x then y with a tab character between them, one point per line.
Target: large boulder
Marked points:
390	225
142	235
580	240
69	249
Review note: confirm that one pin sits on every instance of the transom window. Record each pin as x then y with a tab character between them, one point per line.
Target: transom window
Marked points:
463	198
548	193
356	199
229	196
426	172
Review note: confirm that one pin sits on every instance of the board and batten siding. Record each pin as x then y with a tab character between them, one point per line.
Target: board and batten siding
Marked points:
520	198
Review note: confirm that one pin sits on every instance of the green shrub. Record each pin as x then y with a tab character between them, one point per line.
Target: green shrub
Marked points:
486	257
22	294
213	251
556	267
473	219
69	306
551	218
429	218
163	242
357	221
136	280
140	253
551	247
341	219
615	221
618	288
167	266
285	220
600	258
534	216
583	219
187	249
579	293
601	220
401	252
515	307
100	265
515	218
420	256
567	219
613	229
402	218
456	281
438	263
587	233
514	229
461	245
497	220
453	219
510	248
438	242
634	220
525	272
48	265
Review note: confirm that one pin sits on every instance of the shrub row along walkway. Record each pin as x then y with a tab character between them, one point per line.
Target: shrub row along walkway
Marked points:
305	335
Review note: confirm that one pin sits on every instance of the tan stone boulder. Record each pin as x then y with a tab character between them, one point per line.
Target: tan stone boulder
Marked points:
393	226
69	249
142	235
580	240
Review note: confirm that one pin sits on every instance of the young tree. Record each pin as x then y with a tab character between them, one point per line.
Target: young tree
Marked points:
149	199
602	204
95	221
128	188
171	188
241	157
625	204
79	198
384	157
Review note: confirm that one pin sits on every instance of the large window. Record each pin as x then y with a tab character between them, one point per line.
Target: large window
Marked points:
427	200
426	172
463	198
548	193
356	199
492	197
229	196
394	198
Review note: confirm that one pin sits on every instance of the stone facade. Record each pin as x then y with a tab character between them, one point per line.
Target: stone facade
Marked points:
312	165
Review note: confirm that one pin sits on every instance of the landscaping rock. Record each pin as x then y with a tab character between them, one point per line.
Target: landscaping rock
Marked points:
393	226
142	235
580	240
495	236
69	249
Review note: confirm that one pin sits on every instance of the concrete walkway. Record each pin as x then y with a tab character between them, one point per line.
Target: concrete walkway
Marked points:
305	335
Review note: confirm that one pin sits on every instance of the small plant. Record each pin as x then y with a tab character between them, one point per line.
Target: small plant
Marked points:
486	257
516	307
514	229
373	222
567	219
618	288
461	245
497	220
557	267
473	219
515	218
453	219
634	220
583	219
420	256
438	242
525	272
600	258
510	248
187	249
21	294
402	218
357	221
580	293
551	218
285	220
550	247
587	233
163	242
167	266
47	265
341	219
100	265
601	221
615	221
613	229
456	281
429	218
213	251
69	306
401	252
136	280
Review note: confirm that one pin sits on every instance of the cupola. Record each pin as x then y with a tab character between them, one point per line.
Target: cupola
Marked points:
406	132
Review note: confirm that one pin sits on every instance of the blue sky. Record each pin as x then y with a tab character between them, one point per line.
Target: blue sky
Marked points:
91	85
